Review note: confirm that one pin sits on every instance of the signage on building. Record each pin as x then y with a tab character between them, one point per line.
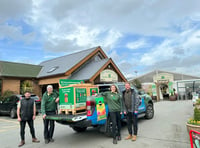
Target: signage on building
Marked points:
66	82
108	76
163	77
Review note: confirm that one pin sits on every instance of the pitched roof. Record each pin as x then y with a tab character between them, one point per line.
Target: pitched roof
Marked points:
11	69
89	70
63	64
148	77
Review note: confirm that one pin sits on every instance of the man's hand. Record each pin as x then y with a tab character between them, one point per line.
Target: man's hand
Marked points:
33	117
19	119
44	116
125	113
57	100
135	112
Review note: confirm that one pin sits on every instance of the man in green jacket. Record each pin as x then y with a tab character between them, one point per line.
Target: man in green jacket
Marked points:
49	107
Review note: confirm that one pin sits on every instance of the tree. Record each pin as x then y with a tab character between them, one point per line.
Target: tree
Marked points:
137	83
26	86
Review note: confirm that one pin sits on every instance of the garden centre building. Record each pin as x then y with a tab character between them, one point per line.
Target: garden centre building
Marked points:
161	84
91	65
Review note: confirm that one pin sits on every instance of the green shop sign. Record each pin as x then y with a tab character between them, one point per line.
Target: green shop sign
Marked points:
66	82
108	76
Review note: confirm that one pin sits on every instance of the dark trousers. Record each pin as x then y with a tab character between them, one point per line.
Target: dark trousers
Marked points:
116	123
49	126
132	121
22	128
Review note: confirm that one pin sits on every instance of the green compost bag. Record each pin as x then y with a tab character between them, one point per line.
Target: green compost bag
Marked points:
100	107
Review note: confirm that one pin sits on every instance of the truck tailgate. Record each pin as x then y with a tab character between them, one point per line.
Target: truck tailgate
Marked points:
68	118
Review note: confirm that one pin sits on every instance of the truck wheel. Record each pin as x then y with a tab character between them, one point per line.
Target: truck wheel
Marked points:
79	129
108	127
13	113
149	111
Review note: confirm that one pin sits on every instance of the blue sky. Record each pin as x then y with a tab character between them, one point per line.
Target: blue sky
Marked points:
139	35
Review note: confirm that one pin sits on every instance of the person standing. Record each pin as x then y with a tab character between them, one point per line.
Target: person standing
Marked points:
26	111
49	107
115	107
131	103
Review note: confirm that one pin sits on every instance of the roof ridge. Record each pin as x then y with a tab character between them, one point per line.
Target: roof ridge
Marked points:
19	63
162	71
94	48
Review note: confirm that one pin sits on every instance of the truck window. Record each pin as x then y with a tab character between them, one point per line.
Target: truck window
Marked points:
104	88
121	88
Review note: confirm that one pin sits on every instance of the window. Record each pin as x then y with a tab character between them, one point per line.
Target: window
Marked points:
53	69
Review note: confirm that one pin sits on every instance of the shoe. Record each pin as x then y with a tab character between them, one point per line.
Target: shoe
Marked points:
128	137
134	138
21	143
51	140
35	140
114	141
46	141
119	138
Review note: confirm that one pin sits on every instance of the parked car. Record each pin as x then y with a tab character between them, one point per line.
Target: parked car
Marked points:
9	105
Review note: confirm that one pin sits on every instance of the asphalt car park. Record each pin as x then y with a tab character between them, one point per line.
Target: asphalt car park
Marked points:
166	130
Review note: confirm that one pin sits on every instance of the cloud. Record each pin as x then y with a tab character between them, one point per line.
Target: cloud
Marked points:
63	26
98	23
141	43
15	33
10	9
179	54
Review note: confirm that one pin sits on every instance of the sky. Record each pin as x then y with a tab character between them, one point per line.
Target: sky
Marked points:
139	35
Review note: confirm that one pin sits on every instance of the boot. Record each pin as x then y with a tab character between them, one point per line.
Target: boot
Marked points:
128	137
114	141
119	138
35	140
134	138
21	143
46	141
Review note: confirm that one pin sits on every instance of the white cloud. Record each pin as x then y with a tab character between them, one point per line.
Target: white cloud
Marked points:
99	23
136	44
15	33
64	26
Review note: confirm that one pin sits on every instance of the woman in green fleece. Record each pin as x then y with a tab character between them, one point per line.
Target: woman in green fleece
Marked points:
115	107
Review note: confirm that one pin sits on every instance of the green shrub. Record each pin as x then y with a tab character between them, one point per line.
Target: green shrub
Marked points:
196	114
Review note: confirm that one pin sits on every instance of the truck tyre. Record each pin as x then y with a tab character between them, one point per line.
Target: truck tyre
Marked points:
13	113
79	129
149	111
108	127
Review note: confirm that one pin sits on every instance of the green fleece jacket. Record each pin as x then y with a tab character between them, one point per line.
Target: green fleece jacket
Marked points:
48	102
113	100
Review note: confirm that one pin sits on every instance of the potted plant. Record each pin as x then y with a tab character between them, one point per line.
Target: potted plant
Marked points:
194	123
172	96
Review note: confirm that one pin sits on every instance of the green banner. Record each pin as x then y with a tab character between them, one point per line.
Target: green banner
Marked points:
66	82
